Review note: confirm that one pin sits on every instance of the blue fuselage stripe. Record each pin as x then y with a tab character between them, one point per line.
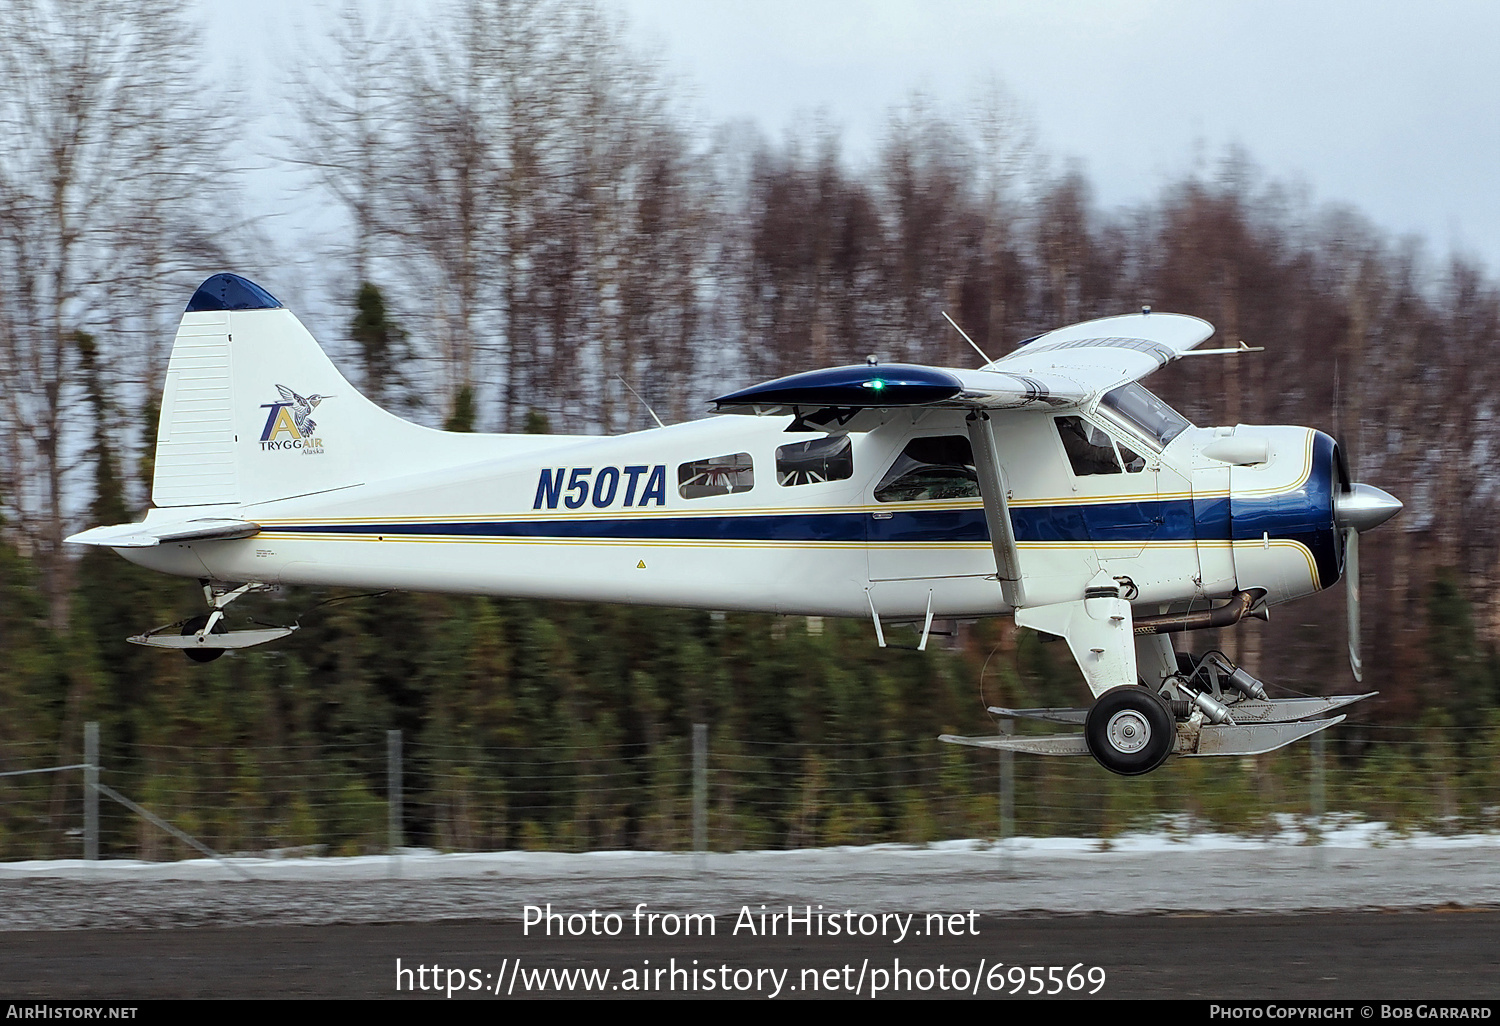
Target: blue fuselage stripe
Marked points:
1304	514
1145	520
1135	521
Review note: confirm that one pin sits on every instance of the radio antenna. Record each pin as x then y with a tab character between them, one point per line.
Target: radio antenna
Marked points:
642	399
966	337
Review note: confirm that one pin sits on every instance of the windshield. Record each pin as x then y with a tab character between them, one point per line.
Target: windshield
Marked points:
1136	406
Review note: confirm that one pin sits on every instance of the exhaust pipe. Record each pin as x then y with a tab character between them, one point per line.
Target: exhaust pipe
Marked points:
1227	615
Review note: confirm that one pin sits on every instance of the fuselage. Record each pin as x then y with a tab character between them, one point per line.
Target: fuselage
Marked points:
740	513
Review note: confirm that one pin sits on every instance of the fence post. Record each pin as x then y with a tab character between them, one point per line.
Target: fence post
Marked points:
1319	796
700	792
393	797
91	791
1007	799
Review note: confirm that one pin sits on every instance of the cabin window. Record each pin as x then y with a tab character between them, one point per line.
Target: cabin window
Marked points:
939	467
721	475
1092	451
830	458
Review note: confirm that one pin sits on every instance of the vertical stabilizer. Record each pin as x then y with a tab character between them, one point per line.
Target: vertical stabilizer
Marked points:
254	411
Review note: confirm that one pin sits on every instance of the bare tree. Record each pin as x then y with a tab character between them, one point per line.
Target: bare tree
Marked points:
818	260
348	109
531	180
105	156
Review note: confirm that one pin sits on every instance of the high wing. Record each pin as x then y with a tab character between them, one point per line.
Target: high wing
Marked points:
883	386
1067	367
1103	354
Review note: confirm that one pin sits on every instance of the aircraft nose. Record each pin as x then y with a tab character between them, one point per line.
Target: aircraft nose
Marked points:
1364	507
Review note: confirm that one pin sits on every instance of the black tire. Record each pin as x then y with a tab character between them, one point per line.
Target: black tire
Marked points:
203	655
1130	731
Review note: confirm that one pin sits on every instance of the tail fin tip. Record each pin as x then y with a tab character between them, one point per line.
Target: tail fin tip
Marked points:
231	292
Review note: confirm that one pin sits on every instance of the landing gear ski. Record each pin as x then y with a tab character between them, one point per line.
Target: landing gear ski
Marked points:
204	638
1210	706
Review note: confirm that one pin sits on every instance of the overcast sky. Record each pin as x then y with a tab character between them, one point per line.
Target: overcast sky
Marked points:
1388	107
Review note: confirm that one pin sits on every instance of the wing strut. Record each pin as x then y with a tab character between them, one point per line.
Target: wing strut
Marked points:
992	489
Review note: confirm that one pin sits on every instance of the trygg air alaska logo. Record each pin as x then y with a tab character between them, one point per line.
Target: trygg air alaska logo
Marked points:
289	424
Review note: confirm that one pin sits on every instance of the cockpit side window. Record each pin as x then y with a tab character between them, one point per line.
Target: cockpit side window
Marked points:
1089	450
1092	451
935	467
1134	464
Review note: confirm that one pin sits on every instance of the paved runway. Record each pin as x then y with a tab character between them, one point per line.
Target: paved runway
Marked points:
1362	956
1200	918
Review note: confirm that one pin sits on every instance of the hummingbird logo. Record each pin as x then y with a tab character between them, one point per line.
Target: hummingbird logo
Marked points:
289	422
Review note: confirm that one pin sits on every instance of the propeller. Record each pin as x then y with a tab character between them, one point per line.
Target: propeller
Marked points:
1351	600
1357	508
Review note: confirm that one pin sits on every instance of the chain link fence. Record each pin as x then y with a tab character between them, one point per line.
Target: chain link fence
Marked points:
334	799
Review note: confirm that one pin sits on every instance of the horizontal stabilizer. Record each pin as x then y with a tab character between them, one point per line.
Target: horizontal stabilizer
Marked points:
140	536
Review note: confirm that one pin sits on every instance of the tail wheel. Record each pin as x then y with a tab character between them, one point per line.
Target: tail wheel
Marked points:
1130	731
203	655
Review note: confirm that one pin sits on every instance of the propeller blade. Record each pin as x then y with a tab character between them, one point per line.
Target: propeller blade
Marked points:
1341	465
1351	599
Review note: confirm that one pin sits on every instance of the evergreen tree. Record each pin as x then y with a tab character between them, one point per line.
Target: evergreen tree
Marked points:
382	343
461	417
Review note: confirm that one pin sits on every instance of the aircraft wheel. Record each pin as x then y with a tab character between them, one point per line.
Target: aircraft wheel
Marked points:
203	655
1130	731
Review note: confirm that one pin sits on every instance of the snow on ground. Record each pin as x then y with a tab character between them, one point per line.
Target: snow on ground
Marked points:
1358	866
